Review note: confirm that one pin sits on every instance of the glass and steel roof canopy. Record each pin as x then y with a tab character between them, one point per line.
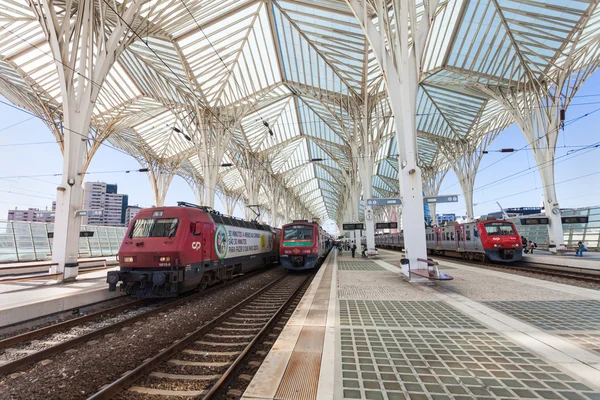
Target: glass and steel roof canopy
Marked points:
304	68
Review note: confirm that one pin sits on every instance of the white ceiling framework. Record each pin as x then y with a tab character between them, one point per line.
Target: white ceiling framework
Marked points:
303	68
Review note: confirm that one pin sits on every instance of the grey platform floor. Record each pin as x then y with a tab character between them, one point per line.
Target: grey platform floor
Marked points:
400	340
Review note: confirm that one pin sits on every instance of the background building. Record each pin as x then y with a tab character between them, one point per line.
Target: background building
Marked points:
516	211
103	196
441	218
31	215
130	213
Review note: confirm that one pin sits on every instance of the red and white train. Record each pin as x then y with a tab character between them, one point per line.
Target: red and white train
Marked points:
496	240
170	250
303	244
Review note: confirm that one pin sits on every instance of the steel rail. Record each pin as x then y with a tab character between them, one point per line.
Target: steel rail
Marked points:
50	351
574	273
146	367
28	336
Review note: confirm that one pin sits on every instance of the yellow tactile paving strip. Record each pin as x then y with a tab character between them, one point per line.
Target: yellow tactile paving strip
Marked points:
301	377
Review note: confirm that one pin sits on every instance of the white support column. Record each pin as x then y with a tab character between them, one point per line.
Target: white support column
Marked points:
544	157
402	84
160	186
82	64
366	165
433	178
539	120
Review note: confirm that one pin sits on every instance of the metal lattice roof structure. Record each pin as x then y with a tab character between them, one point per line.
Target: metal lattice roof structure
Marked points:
290	81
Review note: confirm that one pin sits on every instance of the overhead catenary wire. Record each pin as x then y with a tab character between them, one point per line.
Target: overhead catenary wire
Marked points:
523	147
215	49
250	153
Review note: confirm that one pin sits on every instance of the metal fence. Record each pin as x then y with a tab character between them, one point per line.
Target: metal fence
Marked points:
28	241
588	233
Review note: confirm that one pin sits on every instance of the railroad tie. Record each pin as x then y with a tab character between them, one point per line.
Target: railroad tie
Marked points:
184	377
259	324
162	392
199	363
229	336
204	343
236	329
211	353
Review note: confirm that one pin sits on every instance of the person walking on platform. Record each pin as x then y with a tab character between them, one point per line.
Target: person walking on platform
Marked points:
580	249
524	243
353	249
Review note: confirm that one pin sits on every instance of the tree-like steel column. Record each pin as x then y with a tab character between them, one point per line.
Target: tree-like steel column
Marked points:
535	102
372	128
84	51
433	177
400	63
465	157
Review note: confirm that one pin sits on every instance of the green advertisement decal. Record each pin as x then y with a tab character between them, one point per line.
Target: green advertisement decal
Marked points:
221	242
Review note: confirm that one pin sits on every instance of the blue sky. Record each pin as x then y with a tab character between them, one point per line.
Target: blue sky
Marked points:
21	158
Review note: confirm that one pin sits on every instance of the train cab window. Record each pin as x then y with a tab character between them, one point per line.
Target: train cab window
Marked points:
468	234
149	227
475	232
197	229
499	229
298	232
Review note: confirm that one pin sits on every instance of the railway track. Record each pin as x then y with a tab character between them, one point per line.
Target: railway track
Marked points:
30	347
201	364
538	269
38	272
542	269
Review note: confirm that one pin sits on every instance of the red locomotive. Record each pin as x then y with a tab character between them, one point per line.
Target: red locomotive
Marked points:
303	244
170	250
496	240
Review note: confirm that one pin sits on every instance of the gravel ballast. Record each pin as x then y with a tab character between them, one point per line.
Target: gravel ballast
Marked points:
82	370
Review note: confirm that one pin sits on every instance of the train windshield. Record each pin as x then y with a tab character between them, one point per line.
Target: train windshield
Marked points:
298	232
161	227
499	229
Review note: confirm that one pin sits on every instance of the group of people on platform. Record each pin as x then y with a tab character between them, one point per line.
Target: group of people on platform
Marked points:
351	246
528	247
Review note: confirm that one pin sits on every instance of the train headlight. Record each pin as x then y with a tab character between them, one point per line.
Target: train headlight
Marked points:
164	259
159	278
497	245
127	259
515	245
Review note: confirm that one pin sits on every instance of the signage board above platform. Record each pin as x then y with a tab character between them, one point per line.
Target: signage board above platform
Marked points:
440	199
535	221
81	234
383	202
353	227
94	213
426	200
574	220
386	225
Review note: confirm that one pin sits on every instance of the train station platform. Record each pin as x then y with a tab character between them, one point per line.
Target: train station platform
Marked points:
26	300
363	332
590	260
39	267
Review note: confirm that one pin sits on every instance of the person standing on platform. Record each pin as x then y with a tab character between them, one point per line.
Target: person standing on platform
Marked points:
353	249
